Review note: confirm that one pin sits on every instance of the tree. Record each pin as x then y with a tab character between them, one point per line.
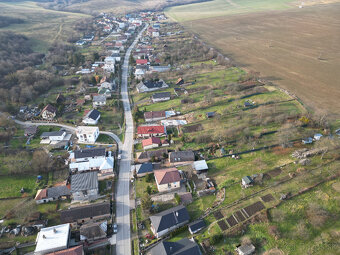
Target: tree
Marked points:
177	198
146	202
286	133
149	177
149	189
41	161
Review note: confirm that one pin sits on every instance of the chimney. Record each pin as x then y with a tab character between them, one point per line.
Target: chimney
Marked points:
44	237
54	230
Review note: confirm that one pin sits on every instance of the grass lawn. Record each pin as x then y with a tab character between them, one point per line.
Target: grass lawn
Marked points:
102	138
7	205
10	185
197	208
141	185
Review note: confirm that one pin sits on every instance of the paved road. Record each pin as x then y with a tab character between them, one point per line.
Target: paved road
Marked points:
67	127
123	246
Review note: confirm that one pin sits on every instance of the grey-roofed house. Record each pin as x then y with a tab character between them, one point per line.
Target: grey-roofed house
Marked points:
82	214
246	249
99	100
93	231
196	226
147	86
168	220
89	153
184	246
54	135
247	181
84	186
160	97
181	157
92	117
144	169
31	130
52	194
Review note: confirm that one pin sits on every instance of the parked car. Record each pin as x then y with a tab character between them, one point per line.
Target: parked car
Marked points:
115	228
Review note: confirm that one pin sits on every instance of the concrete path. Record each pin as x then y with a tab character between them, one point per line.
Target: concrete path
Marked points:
123	246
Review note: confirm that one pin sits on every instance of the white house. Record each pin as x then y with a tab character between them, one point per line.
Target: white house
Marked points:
49	112
87	134
109	68
54	136
52	239
160	97
97	159
92	117
167	179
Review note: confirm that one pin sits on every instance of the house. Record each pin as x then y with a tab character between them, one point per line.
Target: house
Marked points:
60	99
180	82
149	155
54	135
84	186
200	166
87	134
141	61
167	179
248	103
144	169
96	159
109	68
92	117
246	249
52	239
104	92
247	181
159	97
141	71
77	250
317	137
173	123
184	246
31	130
196	226
210	114
159	69
307	140
181	157
52	194
99	100
80	43
164	222
147	86
150	131
49	112
154	116
152	142
93	231
116	56
84	214
106	85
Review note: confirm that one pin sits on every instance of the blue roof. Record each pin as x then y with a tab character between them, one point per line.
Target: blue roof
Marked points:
197	226
144	168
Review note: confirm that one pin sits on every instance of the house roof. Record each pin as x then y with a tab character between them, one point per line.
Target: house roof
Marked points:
210	114
151	141
53	133
94	114
58	191
41	194
152	84
78	250
49	108
246	249
99	98
52	238
180	81
86	130
141	61
150	130
161	95
200	165
181	156
196	226
94	230
165	176
89	153
169	218
149	154
84	181
156	114
247	179
83	212
182	247
144	168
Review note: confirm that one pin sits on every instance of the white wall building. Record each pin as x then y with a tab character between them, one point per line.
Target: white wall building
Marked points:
87	134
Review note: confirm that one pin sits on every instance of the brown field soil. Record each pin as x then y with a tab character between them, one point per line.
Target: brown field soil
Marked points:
297	49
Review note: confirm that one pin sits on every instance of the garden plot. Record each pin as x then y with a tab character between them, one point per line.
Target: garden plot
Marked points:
267	198
254	208
218	215
222	225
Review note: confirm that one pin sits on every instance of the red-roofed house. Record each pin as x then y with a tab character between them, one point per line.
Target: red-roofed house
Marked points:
141	61
150	131
49	112
167	179
150	143
78	250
